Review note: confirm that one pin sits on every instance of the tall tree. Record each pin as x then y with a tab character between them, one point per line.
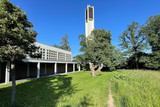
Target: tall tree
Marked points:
152	32
64	44
97	49
132	41
57	46
17	37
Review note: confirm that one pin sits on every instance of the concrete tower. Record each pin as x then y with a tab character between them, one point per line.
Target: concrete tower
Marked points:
89	20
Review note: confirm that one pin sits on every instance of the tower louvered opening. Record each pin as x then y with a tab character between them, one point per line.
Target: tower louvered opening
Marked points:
90	13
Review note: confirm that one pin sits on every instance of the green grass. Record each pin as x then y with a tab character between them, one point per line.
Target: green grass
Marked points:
130	88
71	90
136	88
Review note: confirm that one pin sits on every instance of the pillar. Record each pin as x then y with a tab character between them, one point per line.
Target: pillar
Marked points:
38	70
79	67
65	57
45	69
55	68
66	69
57	56
7	73
27	69
73	67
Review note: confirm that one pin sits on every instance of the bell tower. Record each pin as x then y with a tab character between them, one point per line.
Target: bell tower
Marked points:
89	20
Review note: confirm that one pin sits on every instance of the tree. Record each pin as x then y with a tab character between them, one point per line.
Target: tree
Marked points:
133	41
55	45
151	30
64	44
98	50
17	37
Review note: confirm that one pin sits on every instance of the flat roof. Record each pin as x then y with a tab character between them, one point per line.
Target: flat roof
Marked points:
34	60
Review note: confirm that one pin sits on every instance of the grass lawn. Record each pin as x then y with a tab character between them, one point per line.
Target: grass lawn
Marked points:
129	89
136	88
69	90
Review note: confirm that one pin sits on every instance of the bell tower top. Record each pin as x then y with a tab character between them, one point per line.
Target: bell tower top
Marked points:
89	20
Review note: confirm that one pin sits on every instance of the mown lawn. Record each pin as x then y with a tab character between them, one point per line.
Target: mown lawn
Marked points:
69	90
136	88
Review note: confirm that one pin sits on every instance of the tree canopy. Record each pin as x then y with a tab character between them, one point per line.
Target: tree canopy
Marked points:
17	37
64	44
97	49
151	30
133	41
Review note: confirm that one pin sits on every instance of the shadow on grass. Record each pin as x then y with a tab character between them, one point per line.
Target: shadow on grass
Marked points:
39	92
86	102
107	71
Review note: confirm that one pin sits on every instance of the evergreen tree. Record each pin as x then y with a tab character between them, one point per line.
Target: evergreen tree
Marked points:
64	44
17	37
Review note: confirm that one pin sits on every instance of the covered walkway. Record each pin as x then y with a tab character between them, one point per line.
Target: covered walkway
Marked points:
36	68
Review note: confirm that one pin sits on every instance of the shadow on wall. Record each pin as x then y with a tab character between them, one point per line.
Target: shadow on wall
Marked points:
39	92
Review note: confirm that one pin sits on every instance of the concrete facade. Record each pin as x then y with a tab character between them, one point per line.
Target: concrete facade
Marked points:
89	20
53	61
52	53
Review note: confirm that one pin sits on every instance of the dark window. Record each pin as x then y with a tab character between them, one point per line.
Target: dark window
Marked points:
90	12
86	14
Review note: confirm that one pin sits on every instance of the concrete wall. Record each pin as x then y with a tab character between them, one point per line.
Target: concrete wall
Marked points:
89	23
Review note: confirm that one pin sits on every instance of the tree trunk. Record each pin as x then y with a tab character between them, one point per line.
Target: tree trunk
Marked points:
136	60
92	68
13	102
99	69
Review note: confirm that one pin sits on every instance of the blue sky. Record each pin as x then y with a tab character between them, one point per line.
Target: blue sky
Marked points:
52	19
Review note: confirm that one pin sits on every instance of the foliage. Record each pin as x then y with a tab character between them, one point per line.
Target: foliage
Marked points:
75	89
151	30
82	60
17	37
64	44
136	88
132	41
98	49
16	33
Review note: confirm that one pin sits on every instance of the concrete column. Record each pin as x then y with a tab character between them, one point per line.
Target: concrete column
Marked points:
7	73
38	70
79	67
45	53
57	56
28	69
45	69
66	69
74	67
65	57
55	68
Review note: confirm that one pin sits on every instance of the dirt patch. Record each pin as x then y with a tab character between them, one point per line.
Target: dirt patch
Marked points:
110	101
